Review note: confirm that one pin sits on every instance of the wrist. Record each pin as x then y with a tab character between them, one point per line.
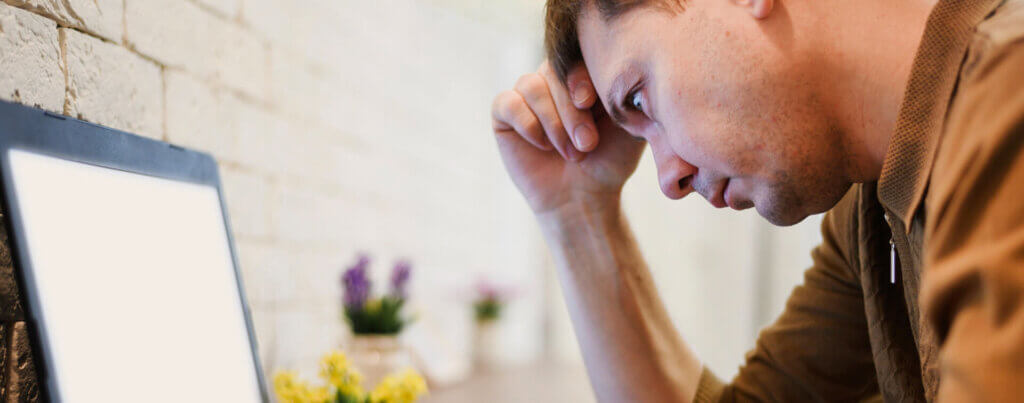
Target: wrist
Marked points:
591	209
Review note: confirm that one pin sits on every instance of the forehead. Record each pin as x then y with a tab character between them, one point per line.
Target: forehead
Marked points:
604	45
618	47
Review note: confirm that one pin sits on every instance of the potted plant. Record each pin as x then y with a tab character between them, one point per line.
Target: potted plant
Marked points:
376	321
344	385
488	304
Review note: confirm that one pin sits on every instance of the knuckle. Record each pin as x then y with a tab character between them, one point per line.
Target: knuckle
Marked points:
545	69
501	101
530	84
507	102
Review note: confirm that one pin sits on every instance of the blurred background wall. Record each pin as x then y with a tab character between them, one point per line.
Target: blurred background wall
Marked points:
350	126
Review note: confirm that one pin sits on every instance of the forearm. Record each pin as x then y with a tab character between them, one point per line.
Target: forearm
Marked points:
630	347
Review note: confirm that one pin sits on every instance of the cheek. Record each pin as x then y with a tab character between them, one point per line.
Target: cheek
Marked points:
711	138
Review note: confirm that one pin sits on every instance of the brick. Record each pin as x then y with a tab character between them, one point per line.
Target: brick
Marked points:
111	86
226	8
196	115
198	42
231	128
277	20
102	18
316	31
262	138
3	361
11	309
240	60
248	197
295	86
30	60
22	381
181	41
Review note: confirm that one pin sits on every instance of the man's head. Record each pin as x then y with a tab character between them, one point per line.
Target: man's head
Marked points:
726	92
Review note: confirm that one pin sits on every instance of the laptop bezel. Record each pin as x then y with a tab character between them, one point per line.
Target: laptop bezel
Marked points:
46	133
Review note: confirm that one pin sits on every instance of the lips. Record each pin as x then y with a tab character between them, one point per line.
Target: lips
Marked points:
718	199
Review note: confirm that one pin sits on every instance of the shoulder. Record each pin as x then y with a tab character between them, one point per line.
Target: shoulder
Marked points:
1000	33
985	125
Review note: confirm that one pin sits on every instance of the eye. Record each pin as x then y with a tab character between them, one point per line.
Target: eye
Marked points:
636	101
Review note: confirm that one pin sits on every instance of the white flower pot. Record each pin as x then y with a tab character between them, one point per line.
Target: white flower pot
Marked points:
376	356
486	345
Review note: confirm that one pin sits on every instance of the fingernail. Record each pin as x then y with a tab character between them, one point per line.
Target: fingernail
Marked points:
584	136
579	95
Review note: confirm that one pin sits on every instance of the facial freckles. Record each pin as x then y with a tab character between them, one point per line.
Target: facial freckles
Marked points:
725	102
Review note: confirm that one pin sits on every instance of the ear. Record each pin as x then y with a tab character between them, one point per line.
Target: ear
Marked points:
760	9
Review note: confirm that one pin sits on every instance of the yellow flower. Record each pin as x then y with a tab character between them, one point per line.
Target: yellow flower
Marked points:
401	387
318	394
335	369
290	389
373	305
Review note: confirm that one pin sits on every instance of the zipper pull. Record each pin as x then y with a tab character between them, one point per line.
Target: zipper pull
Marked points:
892	252
892	261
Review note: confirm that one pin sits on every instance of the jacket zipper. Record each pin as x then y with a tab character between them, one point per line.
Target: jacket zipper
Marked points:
892	252
892	261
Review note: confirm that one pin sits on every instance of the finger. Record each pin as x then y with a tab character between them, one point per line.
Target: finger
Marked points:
581	88
579	123
510	112
534	89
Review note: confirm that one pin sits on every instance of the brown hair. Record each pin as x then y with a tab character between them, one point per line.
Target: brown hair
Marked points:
561	39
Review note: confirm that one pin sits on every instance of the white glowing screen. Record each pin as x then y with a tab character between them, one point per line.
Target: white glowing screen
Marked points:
136	283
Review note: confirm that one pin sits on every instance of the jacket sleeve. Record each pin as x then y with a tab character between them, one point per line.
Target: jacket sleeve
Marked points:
818	349
972	291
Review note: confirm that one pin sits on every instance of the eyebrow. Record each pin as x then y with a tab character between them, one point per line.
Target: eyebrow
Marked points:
614	95
614	99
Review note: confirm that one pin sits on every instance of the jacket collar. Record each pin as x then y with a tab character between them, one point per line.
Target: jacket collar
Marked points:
933	78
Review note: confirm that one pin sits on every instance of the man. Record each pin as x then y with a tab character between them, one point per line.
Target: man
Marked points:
903	119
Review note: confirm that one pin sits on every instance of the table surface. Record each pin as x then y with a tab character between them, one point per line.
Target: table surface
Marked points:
538	383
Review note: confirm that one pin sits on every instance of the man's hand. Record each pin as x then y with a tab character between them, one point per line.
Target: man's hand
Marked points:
559	146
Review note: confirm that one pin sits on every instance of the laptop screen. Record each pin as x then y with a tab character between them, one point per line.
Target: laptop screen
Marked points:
136	285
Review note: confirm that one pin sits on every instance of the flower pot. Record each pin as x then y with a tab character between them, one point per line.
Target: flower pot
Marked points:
486	347
377	356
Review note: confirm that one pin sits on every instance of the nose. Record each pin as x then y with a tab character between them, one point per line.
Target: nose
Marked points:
674	174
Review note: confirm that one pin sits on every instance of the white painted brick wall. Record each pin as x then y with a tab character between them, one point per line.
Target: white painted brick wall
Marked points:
176	33
179	33
30	64
340	127
103	18
109	85
198	115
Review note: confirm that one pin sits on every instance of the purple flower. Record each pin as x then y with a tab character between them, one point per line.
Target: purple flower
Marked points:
489	291
400	278
356	283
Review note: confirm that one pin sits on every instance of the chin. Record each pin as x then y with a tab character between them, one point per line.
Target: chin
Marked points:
782	214
781	218
784	208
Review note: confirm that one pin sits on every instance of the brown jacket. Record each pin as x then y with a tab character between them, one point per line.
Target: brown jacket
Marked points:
951	201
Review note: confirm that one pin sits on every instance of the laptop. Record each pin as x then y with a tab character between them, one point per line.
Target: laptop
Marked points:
126	265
